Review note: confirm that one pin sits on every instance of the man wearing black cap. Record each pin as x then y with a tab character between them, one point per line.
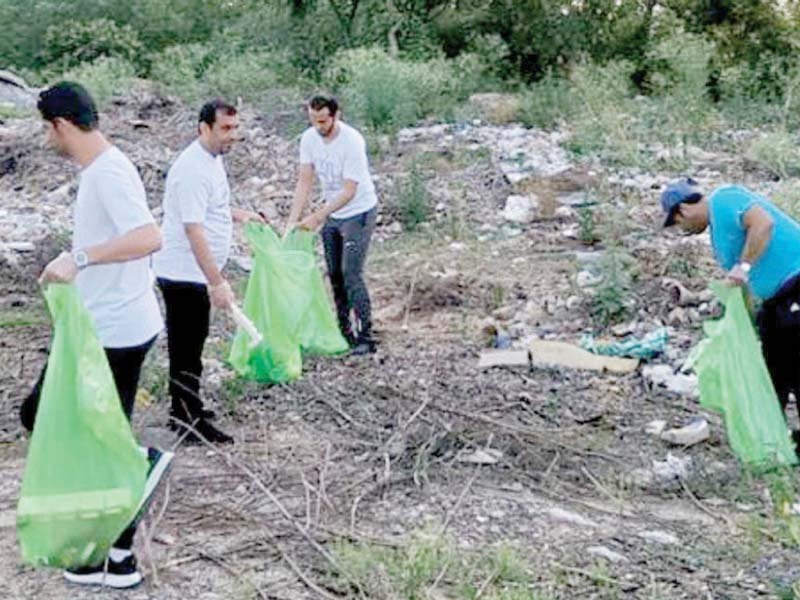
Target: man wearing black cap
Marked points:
759	246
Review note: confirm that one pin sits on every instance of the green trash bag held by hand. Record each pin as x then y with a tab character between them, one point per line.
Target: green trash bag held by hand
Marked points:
734	381
287	302
84	475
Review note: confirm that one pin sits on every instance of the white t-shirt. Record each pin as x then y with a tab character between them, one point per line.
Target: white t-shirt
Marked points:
197	191
119	296
343	158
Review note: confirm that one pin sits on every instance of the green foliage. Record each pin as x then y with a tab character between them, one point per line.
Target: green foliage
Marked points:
409	572
777	152
85	42
413	202
613	300
547	102
104	78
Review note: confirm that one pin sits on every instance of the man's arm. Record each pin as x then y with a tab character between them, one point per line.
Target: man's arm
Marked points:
219	291
316	219
302	192
759	226
137	243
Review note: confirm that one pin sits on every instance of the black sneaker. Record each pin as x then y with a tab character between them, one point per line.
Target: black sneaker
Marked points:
159	462
363	348
206	431
119	575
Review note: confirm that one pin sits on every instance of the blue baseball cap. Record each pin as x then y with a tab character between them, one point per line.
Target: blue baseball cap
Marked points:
675	194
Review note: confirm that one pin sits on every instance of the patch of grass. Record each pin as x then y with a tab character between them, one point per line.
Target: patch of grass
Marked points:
9	111
23	317
409	572
776	152
586	226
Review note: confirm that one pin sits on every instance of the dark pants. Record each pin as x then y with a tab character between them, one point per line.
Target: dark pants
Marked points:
346	243
126	367
188	309
779	328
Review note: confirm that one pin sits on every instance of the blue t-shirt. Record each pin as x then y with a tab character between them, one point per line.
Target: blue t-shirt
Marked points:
781	258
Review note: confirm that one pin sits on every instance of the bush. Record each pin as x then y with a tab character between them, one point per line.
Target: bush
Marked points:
387	94
196	72
413	202
84	42
777	152
546	103
104	78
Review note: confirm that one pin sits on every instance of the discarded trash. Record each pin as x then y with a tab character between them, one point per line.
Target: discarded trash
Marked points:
504	358
645	348
665	376
607	553
548	353
489	456
694	432
655	427
672	468
734	381
659	537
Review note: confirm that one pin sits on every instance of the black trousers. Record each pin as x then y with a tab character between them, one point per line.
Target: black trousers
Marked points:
188	308
779	328
126	367
346	242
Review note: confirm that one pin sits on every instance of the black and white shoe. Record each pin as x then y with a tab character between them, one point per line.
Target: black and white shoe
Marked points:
120	575
159	463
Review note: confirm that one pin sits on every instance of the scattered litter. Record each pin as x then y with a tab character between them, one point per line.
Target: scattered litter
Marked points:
548	353
672	468
694	432
566	516
606	553
520	209
645	348
655	427
488	456
504	358
586	279
660	537
665	376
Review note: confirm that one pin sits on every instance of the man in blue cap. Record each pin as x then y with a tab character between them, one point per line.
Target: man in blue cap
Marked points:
759	246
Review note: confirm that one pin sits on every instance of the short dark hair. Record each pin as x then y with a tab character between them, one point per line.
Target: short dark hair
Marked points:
208	114
321	101
70	101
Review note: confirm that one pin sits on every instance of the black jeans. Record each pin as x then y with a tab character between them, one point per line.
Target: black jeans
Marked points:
188	308
779	328
346	243
126	367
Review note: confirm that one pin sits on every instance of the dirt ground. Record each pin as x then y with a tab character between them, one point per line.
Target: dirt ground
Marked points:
369	452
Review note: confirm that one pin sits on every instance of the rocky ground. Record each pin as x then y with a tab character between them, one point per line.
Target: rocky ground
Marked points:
362	461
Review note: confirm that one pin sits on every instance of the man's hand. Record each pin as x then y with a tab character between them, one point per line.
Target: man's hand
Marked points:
60	270
738	276
313	221
245	216
221	295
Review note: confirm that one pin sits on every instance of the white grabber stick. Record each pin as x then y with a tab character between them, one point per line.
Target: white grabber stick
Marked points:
242	321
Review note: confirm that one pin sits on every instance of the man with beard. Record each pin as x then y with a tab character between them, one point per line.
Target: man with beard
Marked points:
198	230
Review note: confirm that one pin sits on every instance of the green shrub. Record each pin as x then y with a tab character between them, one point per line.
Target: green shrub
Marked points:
413	202
179	69
546	103
776	152
386	93
104	78
66	46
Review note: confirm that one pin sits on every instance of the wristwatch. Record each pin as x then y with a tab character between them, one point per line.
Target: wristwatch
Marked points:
745	267
81	258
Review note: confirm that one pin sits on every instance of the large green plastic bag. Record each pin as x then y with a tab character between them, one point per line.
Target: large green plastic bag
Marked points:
286	301
734	381
84	475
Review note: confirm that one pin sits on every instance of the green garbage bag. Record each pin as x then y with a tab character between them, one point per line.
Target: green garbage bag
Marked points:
734	381
84	475
286	301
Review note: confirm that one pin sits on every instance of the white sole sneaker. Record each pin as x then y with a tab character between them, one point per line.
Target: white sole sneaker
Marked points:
112	580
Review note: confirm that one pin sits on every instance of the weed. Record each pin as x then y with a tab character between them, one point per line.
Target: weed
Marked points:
413	202
586	226
26	317
775	152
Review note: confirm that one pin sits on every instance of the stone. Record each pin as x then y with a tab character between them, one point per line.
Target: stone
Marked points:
659	537
566	516
692	433
655	427
488	456
607	553
520	209
672	468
